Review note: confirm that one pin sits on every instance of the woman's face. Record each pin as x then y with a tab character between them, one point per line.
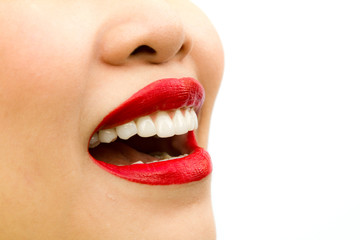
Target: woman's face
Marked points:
67	65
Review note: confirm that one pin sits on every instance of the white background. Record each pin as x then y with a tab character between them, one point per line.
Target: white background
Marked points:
285	137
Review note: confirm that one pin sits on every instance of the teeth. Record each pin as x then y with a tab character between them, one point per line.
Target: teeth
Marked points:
189	120
167	157
146	127
162	157
126	130
94	141
176	157
138	162
164	126
194	118
180	125
107	135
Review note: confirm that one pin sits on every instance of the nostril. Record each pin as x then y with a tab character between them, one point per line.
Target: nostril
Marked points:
143	49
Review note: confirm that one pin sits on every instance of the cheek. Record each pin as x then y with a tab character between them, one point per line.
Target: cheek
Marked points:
40	67
43	74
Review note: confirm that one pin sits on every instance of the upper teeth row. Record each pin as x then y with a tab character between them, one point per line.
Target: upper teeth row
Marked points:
163	126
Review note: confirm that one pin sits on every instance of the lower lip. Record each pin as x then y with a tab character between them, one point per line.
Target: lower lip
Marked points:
193	167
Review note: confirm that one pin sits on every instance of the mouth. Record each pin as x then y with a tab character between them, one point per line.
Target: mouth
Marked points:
150	138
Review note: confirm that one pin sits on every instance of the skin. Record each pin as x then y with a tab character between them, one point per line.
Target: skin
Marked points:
64	65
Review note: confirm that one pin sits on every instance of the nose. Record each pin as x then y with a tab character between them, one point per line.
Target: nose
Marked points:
153	33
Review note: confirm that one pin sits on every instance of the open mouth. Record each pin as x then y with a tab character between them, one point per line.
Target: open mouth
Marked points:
150	137
153	138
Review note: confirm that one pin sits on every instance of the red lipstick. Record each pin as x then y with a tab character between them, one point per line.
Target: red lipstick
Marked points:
161	95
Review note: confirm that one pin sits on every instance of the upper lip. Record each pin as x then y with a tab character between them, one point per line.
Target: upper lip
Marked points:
161	95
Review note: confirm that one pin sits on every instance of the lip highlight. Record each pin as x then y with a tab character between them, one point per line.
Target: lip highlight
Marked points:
161	95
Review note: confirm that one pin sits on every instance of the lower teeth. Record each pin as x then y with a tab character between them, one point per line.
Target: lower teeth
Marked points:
161	157
165	156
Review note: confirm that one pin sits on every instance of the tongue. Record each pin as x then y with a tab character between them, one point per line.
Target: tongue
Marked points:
119	153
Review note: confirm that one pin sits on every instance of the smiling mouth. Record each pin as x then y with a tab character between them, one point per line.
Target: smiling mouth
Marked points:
158	137
150	137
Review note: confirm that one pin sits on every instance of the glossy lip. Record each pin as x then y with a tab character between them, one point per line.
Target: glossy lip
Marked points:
161	95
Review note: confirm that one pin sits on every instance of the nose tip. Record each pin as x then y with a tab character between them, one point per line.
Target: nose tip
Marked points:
153	37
